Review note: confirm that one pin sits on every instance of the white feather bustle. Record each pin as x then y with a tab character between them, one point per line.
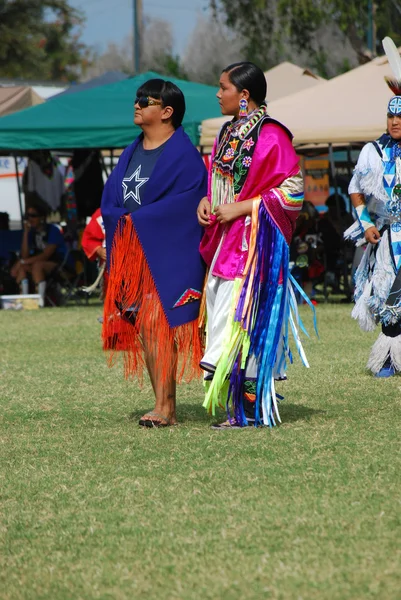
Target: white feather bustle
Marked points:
385	347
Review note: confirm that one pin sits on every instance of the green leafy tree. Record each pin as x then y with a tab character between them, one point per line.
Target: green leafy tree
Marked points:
268	25
40	39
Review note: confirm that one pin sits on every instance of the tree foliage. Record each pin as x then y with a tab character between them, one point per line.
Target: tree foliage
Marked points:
268	25
40	39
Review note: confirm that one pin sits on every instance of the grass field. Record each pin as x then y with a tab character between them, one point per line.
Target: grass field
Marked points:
92	506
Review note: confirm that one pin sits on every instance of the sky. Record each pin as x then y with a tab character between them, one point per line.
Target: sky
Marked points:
111	20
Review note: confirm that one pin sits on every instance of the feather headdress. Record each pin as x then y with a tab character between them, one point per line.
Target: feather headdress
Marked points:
394	59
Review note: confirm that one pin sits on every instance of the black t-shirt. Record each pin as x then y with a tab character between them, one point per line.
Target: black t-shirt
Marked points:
137	175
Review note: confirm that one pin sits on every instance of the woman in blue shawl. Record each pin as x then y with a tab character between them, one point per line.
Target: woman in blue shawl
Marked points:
152	238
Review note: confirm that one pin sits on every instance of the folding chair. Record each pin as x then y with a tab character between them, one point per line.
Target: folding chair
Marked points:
65	281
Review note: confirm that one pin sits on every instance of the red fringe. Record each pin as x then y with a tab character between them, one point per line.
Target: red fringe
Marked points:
131	284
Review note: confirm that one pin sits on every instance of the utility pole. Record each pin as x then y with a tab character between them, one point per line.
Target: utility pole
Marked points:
136	34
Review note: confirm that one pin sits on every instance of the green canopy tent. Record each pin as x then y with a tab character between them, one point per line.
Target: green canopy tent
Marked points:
97	118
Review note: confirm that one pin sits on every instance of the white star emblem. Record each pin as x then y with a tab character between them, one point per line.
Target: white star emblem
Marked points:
140	181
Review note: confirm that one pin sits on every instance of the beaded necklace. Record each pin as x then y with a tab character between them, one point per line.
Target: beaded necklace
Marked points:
233	156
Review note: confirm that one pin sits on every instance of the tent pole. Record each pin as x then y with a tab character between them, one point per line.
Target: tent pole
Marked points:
19	191
350	168
103	164
339	215
333	168
334	180
349	161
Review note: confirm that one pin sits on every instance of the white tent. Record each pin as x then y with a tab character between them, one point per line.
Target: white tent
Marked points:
282	80
348	108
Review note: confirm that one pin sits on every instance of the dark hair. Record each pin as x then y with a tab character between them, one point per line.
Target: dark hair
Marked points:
247	76
34	201
309	209
169	94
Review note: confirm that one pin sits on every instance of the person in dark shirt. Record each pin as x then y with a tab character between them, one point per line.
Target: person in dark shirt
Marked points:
138	174
332	226
43	248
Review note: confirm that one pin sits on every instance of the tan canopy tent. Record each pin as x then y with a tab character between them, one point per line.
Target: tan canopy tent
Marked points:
285	79
16	98
282	80
349	108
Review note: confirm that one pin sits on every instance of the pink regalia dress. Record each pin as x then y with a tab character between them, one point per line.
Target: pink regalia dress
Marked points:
250	303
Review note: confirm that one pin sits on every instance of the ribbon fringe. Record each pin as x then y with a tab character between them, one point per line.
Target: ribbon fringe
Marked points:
134	322
262	312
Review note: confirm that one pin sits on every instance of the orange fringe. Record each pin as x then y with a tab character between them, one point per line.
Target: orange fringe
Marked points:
131	284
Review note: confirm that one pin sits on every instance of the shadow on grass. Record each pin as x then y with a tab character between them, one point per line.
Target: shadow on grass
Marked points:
196	413
290	413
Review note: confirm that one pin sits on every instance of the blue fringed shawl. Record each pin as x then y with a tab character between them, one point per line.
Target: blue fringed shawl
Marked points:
166	224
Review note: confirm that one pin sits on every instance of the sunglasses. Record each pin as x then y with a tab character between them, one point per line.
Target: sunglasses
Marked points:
32	215
145	101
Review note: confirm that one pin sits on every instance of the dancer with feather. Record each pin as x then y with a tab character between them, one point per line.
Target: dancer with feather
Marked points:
375	192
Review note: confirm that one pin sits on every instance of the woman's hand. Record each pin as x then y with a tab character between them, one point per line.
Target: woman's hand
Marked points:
203	212
225	213
372	235
26	262
101	252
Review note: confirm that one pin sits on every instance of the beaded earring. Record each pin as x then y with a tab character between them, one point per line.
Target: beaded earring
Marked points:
243	107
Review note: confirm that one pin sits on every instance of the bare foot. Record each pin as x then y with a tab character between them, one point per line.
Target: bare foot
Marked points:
163	412
156	419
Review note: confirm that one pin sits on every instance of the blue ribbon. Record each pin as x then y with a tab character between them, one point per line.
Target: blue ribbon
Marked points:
307	300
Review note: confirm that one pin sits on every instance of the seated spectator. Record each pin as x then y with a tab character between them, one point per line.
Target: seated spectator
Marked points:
43	248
